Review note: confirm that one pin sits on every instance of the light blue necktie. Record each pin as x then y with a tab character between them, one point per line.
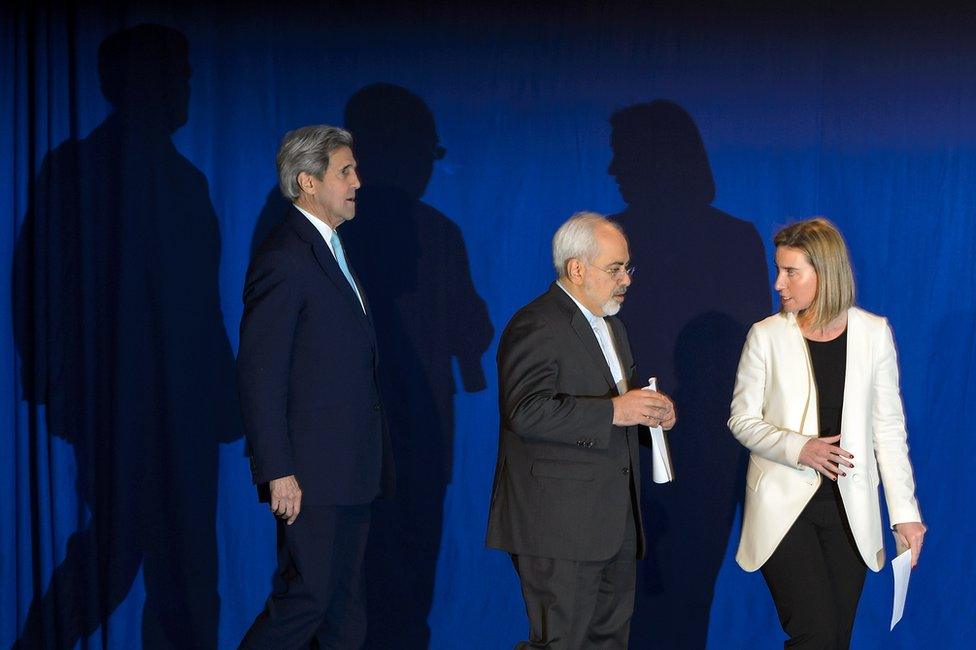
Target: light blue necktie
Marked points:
340	256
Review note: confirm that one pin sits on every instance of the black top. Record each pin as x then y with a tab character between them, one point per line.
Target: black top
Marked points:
829	360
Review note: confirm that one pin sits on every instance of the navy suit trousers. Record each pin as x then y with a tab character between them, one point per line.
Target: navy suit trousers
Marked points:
319	589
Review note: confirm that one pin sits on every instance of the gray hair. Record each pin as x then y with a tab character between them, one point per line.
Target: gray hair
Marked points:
307	150
576	239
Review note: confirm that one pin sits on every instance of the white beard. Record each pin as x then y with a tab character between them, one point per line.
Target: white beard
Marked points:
611	307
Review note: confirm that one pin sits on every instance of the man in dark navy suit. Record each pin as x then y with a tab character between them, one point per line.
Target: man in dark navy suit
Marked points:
307	369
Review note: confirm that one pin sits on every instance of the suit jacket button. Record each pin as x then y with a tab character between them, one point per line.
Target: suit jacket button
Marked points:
580	443
589	443
625	470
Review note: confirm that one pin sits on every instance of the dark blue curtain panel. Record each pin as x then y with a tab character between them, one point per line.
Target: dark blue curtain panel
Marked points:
138	144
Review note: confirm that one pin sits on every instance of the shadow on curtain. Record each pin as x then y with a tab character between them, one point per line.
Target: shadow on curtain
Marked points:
119	329
701	282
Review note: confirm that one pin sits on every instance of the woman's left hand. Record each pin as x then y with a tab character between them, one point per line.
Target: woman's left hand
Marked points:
910	534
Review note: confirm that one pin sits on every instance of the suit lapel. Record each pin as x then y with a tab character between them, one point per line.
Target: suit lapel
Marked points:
327	262
583	330
368	316
859	368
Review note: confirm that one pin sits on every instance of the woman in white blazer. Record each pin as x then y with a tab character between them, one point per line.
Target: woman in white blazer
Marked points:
817	404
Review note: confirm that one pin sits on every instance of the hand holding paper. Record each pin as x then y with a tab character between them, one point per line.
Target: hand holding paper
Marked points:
908	545
910	535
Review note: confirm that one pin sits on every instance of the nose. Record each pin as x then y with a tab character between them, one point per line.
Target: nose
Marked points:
626	279
355	184
780	281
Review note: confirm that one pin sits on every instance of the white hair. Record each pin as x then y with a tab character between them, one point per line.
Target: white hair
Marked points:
307	150
576	239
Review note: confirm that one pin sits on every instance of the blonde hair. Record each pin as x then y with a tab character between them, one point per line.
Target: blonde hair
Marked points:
826	250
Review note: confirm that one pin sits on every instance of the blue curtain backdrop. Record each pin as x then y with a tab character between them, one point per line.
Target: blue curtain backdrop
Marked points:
139	180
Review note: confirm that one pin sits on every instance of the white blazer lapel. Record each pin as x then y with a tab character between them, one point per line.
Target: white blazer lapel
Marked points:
854	423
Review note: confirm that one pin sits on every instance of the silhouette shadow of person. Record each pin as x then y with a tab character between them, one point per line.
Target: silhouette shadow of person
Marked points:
122	341
702	281
414	265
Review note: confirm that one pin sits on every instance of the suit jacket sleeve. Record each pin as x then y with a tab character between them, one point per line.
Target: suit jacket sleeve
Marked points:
271	311
532	405
746	422
890	436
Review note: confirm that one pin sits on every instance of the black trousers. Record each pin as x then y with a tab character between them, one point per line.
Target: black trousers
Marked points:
574	605
318	596
815	576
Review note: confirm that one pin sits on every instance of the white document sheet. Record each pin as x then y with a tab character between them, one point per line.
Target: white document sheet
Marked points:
661	469
901	568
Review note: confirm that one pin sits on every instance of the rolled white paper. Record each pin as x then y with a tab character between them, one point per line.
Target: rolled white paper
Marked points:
661	469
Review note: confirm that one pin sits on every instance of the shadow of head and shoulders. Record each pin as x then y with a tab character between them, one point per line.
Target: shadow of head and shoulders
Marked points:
120	220
413	263
702	280
396	144
144	73
699	257
664	175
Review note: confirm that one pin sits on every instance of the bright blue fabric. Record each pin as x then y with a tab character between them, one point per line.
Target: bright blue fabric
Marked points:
867	119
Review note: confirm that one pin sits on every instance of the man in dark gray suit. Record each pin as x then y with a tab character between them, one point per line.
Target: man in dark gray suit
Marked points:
566	496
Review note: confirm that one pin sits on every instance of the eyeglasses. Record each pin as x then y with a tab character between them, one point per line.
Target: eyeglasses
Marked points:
617	271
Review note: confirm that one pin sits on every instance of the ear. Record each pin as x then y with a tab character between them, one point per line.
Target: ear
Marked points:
574	271
305	182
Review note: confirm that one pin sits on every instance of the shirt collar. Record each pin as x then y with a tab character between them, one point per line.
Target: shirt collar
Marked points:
324	229
591	318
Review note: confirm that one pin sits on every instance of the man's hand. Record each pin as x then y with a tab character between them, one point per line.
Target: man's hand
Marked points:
910	534
825	456
286	498
646	407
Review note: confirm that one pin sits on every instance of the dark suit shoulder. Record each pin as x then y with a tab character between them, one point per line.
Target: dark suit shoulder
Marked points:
282	238
529	318
276	264
284	246
538	325
551	307
278	255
